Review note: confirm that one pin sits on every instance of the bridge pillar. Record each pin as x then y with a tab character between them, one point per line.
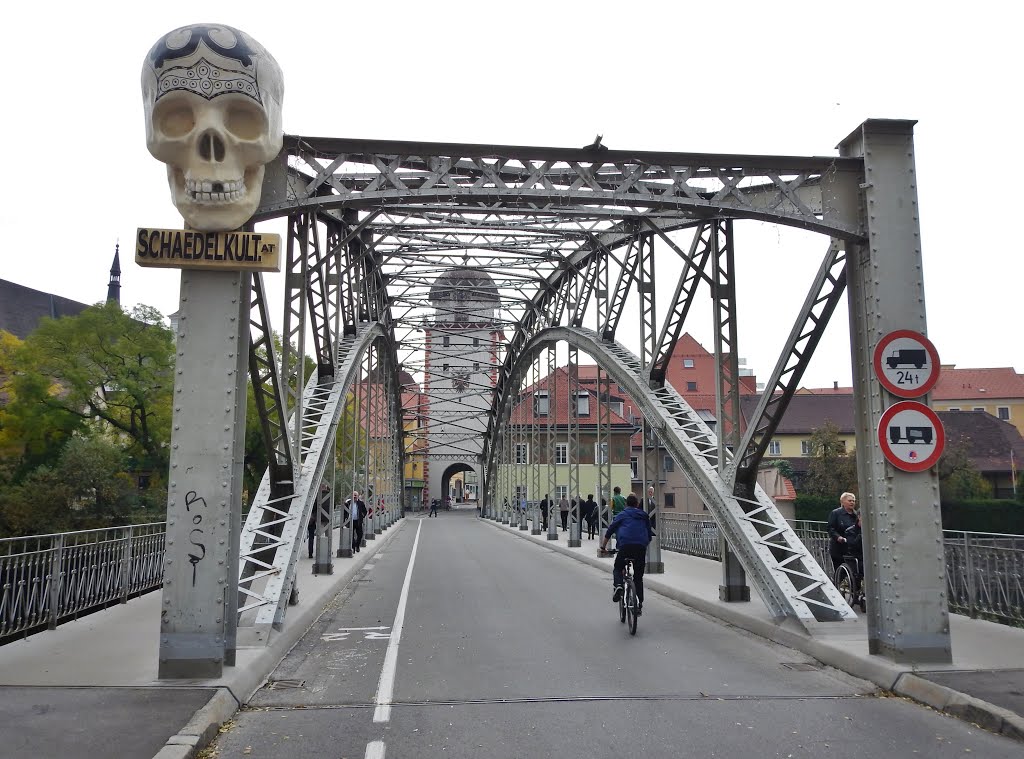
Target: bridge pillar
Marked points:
204	489
907	613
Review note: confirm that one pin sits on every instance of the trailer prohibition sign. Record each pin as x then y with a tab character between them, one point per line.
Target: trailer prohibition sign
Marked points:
911	436
906	363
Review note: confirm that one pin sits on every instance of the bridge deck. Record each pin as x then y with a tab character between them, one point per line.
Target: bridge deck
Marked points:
119	648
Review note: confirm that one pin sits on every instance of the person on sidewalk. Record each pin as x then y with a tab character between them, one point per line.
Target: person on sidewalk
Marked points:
633	533
618	502
563	511
357	507
652	507
839	521
590	515
544	512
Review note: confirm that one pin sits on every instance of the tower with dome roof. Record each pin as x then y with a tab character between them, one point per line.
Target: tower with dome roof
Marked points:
459	375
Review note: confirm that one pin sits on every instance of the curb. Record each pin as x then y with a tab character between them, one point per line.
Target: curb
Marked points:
993	718
880	672
204	725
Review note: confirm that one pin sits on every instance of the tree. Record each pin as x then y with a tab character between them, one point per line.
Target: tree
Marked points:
102	369
958	479
832	469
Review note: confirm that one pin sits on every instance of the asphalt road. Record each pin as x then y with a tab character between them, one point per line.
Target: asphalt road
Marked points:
489	646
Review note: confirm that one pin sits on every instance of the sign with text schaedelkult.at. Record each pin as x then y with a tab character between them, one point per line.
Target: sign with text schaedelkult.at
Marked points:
192	249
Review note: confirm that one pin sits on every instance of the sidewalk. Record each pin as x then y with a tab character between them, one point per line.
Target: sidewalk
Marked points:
983	685
66	692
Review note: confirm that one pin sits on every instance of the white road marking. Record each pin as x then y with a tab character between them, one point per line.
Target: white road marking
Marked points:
386	685
351	629
375	750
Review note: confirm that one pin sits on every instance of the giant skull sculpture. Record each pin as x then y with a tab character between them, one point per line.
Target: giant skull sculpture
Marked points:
212	97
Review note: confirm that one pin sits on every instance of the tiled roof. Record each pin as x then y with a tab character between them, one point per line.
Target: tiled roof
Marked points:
21	308
807	412
989	440
975	384
524	411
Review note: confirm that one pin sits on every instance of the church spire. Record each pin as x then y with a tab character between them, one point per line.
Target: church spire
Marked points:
114	286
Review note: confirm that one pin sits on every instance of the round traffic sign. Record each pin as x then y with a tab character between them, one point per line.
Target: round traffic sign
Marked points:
911	436
906	363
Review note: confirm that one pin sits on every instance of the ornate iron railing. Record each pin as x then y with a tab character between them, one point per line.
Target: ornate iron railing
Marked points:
47	579
985	571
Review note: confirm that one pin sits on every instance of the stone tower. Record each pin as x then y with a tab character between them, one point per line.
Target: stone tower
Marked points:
460	372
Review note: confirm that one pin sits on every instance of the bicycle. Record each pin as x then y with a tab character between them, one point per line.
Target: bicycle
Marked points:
849	580
627	601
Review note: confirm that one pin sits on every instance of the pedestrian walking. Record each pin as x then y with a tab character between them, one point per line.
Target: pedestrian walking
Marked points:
357	508
433	508
323	502
590	515
563	511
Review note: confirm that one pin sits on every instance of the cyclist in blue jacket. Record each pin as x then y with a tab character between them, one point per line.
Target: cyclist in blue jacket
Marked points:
632	526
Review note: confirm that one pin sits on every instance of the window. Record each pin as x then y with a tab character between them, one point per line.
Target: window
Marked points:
561	491
669	464
520	493
541	403
476	366
805	448
979	408
634	466
600	453
476	342
669	500
691	387
687	363
1003	412
616	407
522	453
774	448
583	404
561	453
953	408
447	341
444	367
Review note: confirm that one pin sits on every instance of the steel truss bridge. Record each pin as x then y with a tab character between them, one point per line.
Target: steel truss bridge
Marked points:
573	241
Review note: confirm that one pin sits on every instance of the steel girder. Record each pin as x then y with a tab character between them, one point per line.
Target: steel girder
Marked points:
334	173
275	526
787	577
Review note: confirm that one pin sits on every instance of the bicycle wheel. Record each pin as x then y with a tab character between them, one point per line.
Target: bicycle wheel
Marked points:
630	596
846	582
622	607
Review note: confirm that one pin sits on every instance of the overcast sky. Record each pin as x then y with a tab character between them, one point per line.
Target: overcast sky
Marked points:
740	77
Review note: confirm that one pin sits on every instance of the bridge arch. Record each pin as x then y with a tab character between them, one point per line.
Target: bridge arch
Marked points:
787	577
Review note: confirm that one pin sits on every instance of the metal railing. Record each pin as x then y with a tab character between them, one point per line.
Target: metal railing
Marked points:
47	579
984	571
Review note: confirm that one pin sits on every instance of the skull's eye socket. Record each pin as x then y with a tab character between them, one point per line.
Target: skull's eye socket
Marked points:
175	120
246	121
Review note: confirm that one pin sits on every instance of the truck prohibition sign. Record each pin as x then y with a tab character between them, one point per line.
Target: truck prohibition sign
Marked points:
906	363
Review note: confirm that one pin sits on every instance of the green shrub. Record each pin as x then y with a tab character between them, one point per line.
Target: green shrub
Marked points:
814	508
989	515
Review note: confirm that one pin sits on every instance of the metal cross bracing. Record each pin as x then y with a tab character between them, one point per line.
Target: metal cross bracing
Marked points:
788	579
566	238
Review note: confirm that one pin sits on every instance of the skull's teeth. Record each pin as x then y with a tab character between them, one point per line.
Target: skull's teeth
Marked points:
202	190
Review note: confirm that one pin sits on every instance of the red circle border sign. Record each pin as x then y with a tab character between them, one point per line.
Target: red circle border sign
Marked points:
940	436
891	386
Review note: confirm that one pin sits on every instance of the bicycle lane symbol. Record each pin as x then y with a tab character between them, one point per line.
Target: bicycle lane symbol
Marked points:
369	633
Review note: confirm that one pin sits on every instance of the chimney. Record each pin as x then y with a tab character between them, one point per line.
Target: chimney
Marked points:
835	384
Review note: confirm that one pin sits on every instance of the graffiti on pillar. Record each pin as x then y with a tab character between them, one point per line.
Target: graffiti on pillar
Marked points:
197	534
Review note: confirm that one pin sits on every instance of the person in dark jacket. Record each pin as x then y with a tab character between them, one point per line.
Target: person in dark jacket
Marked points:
590	515
839	521
357	507
633	533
